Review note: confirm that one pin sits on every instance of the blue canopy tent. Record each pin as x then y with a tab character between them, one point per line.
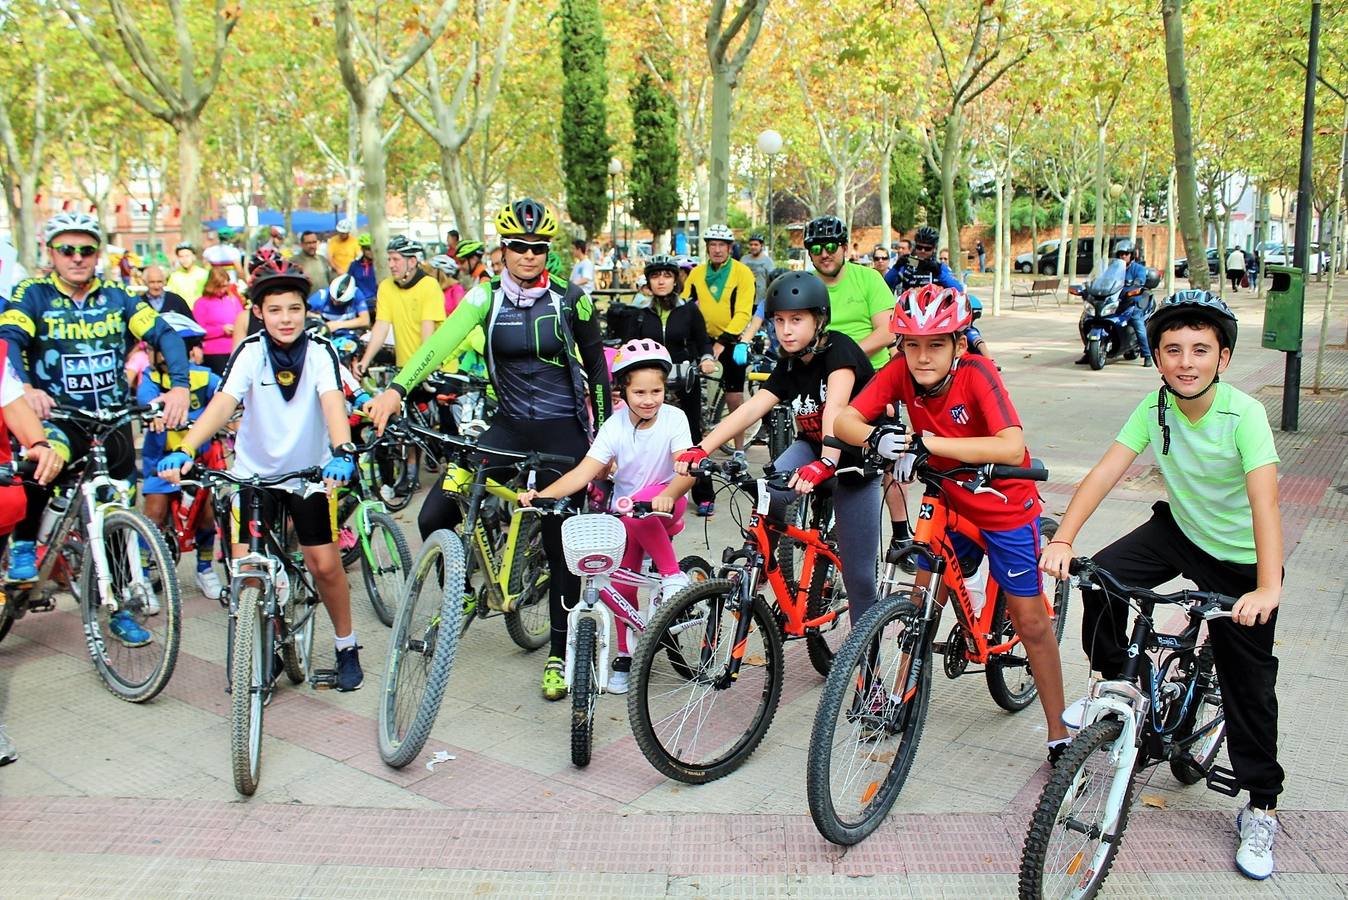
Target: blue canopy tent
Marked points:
300	220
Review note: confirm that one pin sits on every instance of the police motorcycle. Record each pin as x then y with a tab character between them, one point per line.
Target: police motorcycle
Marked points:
1106	332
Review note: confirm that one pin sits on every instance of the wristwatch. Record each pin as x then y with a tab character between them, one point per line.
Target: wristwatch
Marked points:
347	449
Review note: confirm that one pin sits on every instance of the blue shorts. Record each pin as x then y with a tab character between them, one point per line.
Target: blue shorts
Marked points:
152	483
1013	557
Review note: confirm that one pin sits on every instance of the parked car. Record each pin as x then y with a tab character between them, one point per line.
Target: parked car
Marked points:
1215	263
1281	255
1048	262
1025	262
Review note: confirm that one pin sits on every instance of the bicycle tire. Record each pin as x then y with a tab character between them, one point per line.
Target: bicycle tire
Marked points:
1000	668
134	674
827	592
781	433
297	653
385	560
697	569
1071	783
1207	707
584	692
529	624
758	688
883	770
422	647
392	469
6	619
247	692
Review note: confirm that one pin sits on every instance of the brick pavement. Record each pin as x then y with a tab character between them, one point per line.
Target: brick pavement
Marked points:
114	800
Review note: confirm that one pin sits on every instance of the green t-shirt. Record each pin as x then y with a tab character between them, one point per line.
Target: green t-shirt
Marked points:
860	293
1205	469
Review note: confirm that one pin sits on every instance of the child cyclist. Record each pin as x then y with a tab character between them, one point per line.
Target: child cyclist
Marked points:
819	371
962	414
1221	529
294	417
157	491
642	440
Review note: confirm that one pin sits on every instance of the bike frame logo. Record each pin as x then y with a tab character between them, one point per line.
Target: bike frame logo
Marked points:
927	511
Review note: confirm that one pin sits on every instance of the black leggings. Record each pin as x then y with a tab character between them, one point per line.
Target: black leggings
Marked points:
120	447
563	437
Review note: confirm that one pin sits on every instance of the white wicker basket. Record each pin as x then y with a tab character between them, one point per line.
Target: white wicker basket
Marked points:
593	544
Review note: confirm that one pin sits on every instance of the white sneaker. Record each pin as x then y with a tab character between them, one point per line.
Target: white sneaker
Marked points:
1254	856
671	585
1074	716
387	492
209	584
618	682
8	752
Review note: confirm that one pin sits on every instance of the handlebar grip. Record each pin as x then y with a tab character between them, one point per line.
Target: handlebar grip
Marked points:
1030	473
838	444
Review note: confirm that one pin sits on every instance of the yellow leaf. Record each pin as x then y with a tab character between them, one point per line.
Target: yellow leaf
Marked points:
1155	801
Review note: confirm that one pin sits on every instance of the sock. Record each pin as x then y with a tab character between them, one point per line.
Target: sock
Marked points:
1266	802
205	549
900	530
345	643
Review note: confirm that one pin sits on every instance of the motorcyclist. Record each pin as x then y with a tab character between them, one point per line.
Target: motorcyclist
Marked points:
1133	308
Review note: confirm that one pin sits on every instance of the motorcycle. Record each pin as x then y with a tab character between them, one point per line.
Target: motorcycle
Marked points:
1106	332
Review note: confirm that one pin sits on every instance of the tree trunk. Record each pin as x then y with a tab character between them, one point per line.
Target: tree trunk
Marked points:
1034	228
1333	217
950	162
189	177
1260	235
26	233
886	172
1182	129
374	165
722	97
1101	177
1002	263
1171	229
456	187
1067	204
999	225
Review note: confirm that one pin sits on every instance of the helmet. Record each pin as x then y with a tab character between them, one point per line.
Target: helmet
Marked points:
365	240
342	290
343	226
277	231
1193	303
225	233
797	290
446	264
277	275
975	306
263	257
184	245
758	236
470	248
719	233
641	353
926	235
185	327
825	228
404	246
930	310
67	221
662	263
1122	247
526	216
687	263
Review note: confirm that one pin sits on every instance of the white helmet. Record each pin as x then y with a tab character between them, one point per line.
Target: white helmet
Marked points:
72	221
342	290
446	264
343	226
719	233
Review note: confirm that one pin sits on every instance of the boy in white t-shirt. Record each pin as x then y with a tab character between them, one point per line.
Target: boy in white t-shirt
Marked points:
290	386
642	443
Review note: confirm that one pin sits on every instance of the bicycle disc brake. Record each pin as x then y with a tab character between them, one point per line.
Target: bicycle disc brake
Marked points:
953	659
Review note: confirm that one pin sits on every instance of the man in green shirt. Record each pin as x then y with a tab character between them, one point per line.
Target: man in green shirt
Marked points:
188	279
860	301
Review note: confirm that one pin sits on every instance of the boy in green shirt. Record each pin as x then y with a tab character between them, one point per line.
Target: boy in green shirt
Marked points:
1221	529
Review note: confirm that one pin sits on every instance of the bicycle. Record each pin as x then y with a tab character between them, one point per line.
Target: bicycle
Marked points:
132	572
873	707
272	601
706	632
1167	710
396	471
185	506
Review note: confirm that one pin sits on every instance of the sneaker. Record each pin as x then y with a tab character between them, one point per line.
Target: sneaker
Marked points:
346	538
1075	714
22	561
706	509
387	492
8	752
209	584
554	678
1084	361
349	675
126	629
1254	856
1055	752
1146	362
620	678
669	586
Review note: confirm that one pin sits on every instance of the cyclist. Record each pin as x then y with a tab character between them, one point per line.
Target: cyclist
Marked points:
819	371
961	414
159	441
470	261
759	261
409	303
362	268
343	248
294	417
344	309
642	444
446	272
724	289
545	359
187	278
1221	528
67	336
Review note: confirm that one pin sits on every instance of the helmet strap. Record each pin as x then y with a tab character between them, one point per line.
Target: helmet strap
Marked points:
1161	405
936	389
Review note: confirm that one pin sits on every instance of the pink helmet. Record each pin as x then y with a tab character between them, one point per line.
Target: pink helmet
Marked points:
931	310
639	354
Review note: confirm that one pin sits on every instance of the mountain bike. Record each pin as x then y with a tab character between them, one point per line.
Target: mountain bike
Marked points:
93	543
185	507
874	703
707	674
1162	709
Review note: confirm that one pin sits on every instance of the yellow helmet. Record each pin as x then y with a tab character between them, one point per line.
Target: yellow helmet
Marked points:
526	216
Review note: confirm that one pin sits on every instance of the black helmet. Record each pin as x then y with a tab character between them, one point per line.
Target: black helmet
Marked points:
825	228
797	290
926	235
662	263
1124	246
1198	304
758	236
276	276
403	246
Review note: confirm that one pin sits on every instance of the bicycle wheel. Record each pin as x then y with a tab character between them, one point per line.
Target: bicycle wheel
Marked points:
421	648
827	594
1075	831
385	560
297	653
144	593
584	692
392	469
702	725
865	735
781	430
248	691
1010	681
529	623
1206	719
697	569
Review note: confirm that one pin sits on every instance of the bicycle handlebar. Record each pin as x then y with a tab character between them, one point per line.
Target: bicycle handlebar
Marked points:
108	418
312	475
1085	566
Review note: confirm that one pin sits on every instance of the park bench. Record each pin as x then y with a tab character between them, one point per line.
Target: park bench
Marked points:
1039	288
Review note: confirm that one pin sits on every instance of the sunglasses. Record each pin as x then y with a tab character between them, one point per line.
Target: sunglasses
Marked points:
924	248
70	250
881	257
818	249
538	248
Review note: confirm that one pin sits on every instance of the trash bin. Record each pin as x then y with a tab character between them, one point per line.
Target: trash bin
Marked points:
1284	308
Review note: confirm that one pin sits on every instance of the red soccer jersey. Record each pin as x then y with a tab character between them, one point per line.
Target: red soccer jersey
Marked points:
977	405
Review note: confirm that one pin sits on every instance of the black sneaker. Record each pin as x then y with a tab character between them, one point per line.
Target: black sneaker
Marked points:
1055	753
1146	362
349	675
1084	361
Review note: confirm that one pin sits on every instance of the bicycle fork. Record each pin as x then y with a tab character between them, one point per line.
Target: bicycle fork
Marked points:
94	512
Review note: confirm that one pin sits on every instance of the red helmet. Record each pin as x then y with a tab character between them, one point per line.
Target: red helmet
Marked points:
930	310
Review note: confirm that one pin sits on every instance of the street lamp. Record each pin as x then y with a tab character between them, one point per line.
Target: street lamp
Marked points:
615	167
770	144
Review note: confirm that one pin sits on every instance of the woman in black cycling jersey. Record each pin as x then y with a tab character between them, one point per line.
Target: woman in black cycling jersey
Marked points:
545	360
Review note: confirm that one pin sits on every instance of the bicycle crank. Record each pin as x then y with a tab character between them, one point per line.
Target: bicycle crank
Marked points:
952	654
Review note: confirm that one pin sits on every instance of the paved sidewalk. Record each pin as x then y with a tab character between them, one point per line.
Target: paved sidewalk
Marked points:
113	800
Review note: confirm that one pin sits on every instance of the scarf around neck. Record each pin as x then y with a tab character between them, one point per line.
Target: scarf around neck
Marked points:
287	362
523	297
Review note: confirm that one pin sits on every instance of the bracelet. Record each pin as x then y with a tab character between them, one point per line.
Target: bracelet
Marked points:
1064	543
42	443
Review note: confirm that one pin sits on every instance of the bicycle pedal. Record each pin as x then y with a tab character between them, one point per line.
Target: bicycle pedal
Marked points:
1223	781
323	679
